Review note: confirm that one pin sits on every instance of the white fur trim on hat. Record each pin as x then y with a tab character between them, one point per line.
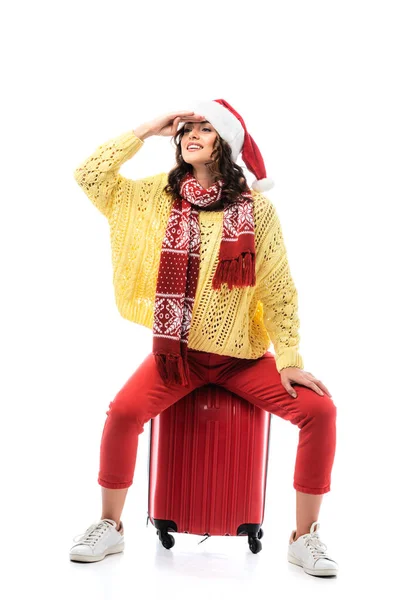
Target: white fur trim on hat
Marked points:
262	185
227	125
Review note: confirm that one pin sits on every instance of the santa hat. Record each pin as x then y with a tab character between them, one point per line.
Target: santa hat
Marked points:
231	127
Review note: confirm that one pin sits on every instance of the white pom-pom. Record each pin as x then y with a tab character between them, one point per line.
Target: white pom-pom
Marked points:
262	185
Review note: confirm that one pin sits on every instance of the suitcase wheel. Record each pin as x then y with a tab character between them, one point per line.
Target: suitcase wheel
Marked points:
167	540
255	545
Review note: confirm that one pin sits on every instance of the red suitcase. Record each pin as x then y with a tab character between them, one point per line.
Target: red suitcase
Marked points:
207	467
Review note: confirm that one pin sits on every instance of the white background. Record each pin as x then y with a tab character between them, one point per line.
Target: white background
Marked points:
316	83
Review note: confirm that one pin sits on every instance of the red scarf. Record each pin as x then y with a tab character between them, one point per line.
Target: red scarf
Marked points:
179	269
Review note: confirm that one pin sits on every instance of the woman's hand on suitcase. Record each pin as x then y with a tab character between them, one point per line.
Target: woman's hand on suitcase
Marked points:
296	375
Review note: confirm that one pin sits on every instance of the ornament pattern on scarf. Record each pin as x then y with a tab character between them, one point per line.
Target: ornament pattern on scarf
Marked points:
179	269
239	221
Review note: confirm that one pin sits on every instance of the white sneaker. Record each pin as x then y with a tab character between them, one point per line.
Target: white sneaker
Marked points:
309	552
100	539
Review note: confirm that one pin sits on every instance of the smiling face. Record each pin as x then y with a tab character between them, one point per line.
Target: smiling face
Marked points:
197	143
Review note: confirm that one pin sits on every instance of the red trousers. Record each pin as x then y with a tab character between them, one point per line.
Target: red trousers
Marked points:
145	395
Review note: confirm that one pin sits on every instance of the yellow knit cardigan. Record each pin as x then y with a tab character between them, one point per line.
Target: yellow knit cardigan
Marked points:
240	322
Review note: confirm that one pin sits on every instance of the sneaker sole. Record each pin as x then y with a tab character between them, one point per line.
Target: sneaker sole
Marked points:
91	558
326	573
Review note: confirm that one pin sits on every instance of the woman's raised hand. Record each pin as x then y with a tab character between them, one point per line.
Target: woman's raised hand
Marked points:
168	124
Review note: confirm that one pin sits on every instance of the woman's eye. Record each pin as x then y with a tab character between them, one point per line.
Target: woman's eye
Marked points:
187	130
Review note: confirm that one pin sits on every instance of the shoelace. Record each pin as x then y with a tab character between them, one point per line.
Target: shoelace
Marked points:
92	533
317	548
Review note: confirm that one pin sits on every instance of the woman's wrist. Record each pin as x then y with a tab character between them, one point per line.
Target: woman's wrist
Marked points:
143	131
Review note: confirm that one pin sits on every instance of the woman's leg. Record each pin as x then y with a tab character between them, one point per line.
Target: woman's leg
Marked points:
307	511
113	503
142	397
259	382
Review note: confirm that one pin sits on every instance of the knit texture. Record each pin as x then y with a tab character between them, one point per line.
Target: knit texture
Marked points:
241	322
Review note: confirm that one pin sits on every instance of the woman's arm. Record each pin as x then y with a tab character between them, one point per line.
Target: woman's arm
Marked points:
278	294
98	175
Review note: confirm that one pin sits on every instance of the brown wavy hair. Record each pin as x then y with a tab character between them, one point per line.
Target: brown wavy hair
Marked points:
221	166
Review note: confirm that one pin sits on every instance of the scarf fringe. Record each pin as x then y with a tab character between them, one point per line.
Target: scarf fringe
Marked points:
239	272
173	368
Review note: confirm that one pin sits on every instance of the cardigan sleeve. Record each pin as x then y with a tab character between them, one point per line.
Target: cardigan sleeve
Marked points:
98	175
279	297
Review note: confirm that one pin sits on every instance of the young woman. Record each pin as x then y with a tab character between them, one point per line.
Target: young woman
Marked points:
199	258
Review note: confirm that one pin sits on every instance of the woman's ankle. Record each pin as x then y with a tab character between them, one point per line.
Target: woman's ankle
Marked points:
118	524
